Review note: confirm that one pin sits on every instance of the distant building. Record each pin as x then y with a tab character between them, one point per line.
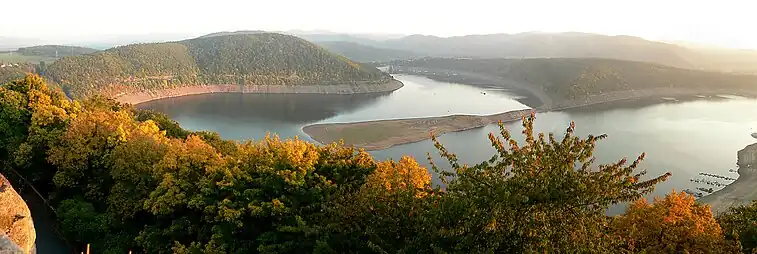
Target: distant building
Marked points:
748	156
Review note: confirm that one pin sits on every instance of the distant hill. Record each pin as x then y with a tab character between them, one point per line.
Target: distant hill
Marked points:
319	38
565	45
244	59
364	53
544	45
232	33
55	51
574	78
325	35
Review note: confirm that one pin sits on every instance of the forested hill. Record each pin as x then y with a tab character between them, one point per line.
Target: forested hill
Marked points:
55	50
244	59
577	78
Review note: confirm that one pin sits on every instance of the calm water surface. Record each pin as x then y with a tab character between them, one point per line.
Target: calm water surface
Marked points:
683	138
251	116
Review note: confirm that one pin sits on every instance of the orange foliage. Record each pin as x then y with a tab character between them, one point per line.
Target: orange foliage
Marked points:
675	224
400	175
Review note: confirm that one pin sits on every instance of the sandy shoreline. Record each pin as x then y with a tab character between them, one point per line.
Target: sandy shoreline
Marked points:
383	134
142	97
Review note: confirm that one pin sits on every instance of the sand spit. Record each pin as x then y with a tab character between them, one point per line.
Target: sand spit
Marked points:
382	134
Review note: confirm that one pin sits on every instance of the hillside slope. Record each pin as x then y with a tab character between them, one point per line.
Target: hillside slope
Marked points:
243	59
543	45
580	78
576	45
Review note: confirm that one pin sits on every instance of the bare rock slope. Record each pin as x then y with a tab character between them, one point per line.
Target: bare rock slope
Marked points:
16	222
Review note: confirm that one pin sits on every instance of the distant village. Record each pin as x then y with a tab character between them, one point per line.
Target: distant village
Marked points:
4	65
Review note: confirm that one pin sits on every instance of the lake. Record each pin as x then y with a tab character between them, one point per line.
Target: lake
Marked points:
683	138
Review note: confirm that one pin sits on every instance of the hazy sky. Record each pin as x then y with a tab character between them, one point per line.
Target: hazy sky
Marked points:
724	22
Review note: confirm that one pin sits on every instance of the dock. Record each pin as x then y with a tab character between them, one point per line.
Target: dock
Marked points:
742	191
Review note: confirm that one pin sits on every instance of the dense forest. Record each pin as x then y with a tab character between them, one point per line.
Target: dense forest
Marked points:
243	59
576	78
55	51
125	179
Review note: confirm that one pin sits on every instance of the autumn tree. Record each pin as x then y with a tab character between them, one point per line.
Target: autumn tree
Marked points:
125	179
385	215
545	195
31	115
674	224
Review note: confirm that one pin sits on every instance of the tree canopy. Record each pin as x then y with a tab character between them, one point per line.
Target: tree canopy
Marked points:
124	179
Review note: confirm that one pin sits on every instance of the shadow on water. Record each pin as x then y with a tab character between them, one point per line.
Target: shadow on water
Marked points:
283	108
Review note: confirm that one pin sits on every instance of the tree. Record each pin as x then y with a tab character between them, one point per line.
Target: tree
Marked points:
675	224
385	216
545	196
740	224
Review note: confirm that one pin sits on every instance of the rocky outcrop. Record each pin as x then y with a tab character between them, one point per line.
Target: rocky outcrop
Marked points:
7	246
16	222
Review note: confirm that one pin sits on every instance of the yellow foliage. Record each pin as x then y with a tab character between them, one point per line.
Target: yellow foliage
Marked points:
676	223
400	175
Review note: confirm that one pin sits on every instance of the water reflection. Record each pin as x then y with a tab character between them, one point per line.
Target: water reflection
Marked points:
282	108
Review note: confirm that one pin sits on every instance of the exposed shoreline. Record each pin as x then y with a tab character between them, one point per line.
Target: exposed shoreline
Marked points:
383	134
142	97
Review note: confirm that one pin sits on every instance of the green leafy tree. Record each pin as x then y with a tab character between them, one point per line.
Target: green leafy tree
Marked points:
740	224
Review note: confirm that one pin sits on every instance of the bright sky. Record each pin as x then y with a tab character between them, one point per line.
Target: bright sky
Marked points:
728	23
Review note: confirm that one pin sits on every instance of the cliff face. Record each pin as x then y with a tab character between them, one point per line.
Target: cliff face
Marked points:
16	222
